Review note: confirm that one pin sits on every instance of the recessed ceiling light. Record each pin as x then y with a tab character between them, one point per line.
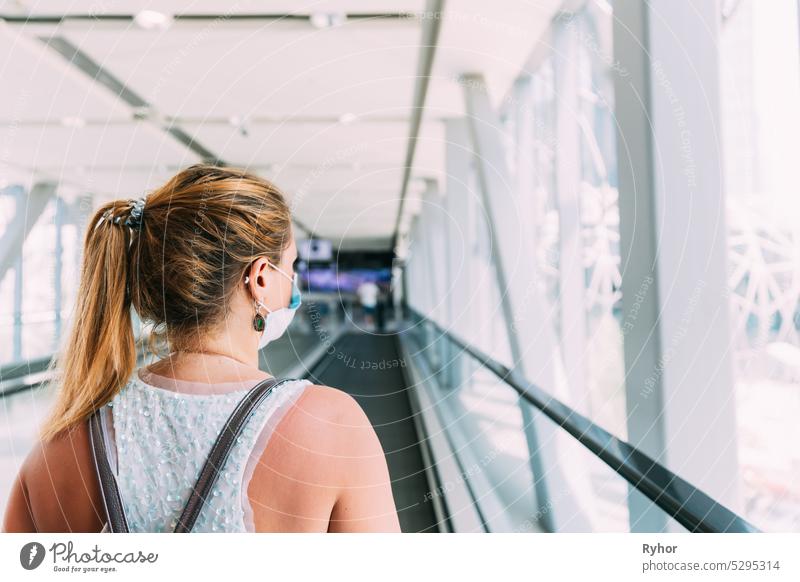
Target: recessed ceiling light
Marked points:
272	169
239	123
152	20
73	121
327	19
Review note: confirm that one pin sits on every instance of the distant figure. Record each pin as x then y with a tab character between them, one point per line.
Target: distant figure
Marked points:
368	297
380	314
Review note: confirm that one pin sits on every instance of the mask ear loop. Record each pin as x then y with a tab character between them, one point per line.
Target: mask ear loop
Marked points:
281	271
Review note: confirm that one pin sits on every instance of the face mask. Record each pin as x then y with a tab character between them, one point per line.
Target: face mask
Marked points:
277	321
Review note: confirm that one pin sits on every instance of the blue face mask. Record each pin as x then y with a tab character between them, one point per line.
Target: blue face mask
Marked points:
295	301
278	320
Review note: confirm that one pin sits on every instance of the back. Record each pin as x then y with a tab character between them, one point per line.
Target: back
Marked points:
161	432
307	461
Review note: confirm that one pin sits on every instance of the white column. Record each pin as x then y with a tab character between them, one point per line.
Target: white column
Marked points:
457	201
28	210
680	399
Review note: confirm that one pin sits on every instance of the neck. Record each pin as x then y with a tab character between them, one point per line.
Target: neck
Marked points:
212	353
224	347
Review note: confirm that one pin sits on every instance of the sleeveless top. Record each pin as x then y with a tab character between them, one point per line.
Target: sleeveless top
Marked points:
161	430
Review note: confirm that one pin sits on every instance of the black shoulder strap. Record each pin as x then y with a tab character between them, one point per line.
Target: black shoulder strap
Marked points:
221	450
117	523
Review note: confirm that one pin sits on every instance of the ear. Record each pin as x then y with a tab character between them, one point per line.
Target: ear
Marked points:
256	277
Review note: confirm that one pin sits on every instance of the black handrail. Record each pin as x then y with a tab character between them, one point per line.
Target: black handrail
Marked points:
20	370
681	500
17	370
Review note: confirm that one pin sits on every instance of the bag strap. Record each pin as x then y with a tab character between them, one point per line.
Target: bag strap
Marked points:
117	522
221	450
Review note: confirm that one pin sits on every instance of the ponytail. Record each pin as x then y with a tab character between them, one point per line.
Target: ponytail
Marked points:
100	353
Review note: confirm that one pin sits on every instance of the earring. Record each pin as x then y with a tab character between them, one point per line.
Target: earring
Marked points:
258	320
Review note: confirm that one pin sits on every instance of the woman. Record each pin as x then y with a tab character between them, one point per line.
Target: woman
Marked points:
208	260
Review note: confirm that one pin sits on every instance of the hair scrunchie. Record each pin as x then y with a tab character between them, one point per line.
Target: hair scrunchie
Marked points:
134	219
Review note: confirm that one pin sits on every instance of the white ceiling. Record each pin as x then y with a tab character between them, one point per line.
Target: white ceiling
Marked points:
268	94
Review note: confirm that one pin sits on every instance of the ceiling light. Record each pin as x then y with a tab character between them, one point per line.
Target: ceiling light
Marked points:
327	19
239	123
142	112
272	169
152	20
73	121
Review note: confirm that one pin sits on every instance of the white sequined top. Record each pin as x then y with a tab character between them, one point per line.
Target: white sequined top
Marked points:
161	431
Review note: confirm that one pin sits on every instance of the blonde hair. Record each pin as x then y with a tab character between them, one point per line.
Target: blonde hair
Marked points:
178	268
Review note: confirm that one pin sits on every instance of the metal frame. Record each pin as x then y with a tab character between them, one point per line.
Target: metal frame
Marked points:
430	37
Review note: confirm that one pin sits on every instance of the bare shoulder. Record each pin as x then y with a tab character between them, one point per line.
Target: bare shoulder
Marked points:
330	431
57	485
327	415
324	467
364	499
330	404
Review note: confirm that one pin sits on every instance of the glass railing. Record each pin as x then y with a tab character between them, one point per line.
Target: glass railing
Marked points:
583	474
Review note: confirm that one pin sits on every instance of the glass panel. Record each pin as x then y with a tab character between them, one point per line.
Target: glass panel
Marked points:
485	308
589	361
560	122
599	216
760	93
483	419
544	181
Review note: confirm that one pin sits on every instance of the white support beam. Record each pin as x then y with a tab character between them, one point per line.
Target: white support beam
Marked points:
28	210
680	399
458	157
428	44
530	328
415	265
436	253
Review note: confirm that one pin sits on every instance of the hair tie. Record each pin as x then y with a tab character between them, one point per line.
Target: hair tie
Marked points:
134	219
